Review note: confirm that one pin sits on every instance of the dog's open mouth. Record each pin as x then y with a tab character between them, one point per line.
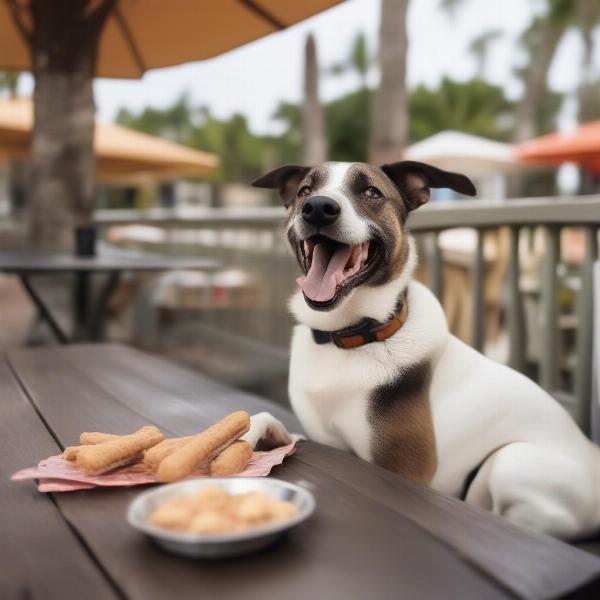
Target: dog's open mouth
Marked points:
333	268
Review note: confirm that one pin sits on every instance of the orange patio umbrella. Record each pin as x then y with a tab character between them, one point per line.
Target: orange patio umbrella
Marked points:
580	146
146	34
124	155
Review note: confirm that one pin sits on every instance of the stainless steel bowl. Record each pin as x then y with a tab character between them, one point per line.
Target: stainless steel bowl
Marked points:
226	544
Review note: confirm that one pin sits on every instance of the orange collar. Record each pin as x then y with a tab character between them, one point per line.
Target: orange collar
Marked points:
366	331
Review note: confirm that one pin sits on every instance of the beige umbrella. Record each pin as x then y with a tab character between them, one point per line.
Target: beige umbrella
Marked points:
124	155
146	34
66	43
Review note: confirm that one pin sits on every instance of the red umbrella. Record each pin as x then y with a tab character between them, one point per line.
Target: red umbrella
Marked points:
581	146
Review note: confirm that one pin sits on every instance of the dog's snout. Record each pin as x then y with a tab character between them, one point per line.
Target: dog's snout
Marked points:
320	211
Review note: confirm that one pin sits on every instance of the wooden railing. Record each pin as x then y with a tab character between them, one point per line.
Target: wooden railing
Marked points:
251	239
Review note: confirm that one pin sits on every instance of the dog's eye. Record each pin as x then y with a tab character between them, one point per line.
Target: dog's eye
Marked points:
305	190
372	192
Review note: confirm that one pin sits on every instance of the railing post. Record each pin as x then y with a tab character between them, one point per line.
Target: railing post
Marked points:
585	332
550	346
477	296
437	268
514	309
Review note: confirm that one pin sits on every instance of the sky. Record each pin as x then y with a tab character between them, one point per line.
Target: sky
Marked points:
253	79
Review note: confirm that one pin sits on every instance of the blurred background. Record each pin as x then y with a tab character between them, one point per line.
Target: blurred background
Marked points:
507	93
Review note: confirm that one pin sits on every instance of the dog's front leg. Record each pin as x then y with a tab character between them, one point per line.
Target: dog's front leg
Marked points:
267	432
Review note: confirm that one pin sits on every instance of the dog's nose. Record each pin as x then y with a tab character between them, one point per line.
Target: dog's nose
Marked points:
320	211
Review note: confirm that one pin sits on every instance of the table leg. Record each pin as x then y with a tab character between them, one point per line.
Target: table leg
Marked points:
81	298
44	311
96	331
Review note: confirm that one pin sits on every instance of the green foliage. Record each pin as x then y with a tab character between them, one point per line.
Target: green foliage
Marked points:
358	61
9	82
173	123
347	126
240	151
475	107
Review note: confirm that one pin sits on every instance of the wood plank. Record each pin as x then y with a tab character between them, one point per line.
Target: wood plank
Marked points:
514	307
351	532
477	295
531	565
585	332
437	268
171	389
524	563
549	374
40	556
131	388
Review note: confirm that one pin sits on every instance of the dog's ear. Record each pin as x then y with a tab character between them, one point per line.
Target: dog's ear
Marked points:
285	179
414	179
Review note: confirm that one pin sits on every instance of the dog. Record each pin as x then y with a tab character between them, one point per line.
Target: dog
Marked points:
375	371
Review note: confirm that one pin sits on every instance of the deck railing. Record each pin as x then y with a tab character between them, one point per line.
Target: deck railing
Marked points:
251	239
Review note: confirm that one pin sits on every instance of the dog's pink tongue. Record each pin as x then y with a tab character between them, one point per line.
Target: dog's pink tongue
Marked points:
326	271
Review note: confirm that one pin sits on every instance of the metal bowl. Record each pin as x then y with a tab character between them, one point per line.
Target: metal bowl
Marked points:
222	544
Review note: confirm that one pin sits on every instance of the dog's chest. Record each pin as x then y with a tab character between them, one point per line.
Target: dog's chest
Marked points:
330	391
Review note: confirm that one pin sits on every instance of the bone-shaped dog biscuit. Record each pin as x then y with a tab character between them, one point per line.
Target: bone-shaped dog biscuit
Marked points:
96	437
202	447
105	456
233	460
154	456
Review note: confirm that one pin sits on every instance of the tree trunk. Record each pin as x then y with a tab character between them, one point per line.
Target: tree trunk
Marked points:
63	37
536	81
313	121
588	109
389	132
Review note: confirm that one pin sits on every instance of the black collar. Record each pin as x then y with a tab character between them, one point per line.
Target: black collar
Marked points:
367	330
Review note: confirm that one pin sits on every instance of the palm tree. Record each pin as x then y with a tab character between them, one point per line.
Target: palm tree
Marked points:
313	121
480	48
541	40
389	115
587	20
358	61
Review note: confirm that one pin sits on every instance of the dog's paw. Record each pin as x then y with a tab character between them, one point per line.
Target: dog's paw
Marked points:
267	432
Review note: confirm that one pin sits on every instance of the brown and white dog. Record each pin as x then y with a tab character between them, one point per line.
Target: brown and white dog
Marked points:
375	371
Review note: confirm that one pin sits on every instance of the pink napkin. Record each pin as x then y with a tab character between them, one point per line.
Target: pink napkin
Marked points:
55	474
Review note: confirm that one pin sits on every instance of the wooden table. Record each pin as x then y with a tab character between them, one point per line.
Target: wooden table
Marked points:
374	534
89	313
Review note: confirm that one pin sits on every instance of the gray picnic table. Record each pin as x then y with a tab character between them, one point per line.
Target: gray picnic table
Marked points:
374	534
89	313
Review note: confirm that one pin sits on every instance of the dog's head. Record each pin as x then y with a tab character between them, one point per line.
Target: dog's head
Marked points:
346	221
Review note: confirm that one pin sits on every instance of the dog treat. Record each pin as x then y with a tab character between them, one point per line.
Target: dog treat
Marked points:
71	452
202	447
175	514
212	510
232	460
154	456
96	437
105	456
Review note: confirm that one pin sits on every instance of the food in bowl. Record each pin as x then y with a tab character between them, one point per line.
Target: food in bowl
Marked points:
213	510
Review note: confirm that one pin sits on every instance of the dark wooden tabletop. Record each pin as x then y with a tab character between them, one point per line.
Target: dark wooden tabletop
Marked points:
374	534
28	262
